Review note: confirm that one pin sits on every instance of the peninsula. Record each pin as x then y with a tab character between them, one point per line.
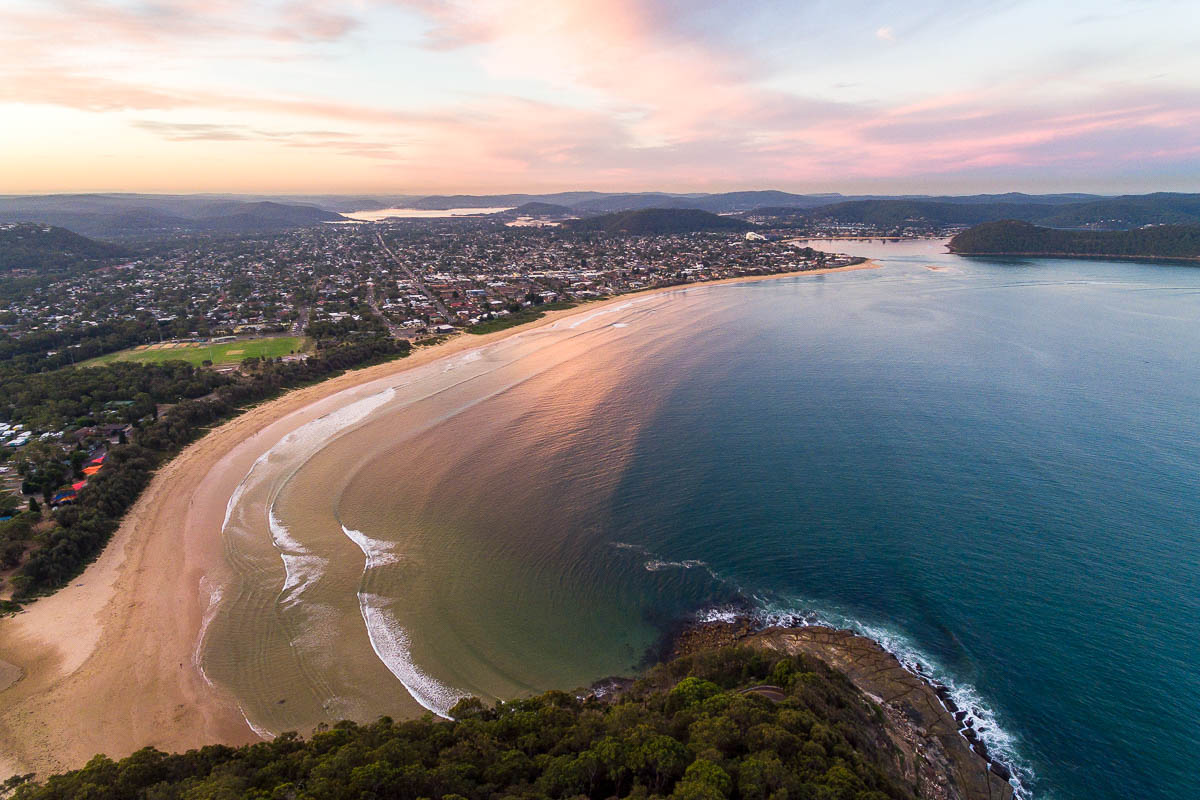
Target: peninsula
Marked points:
1015	238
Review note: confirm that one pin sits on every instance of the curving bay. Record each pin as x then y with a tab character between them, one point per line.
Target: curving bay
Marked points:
931	453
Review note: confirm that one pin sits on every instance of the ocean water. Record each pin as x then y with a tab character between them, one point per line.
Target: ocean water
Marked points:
991	466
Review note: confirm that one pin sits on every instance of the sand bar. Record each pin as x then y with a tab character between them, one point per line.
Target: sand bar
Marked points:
108	664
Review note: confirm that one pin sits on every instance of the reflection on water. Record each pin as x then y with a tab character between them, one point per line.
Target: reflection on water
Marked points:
990	466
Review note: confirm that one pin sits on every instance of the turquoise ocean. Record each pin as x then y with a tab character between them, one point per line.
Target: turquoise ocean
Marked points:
992	466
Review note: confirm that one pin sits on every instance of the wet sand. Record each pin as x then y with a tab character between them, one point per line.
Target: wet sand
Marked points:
110	663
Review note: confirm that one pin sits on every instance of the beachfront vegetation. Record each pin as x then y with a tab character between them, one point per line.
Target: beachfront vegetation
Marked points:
688	730
200	352
165	406
518	316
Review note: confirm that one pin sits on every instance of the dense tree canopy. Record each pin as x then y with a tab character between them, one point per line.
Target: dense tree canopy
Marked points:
1016	238
687	731
132	393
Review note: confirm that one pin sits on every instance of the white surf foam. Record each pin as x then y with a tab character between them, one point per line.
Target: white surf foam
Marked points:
210	610
575	322
301	567
261	732
388	638
1001	743
654	564
391	644
377	551
240	489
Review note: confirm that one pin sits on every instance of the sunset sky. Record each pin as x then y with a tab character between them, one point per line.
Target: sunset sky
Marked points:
422	96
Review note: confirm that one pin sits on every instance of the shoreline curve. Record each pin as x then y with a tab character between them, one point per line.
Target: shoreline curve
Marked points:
107	663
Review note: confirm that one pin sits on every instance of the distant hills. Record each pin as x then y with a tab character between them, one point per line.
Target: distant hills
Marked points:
537	209
1112	213
118	216
1013	237
45	248
114	216
649	221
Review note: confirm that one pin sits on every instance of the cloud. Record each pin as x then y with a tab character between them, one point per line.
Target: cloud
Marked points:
572	92
335	141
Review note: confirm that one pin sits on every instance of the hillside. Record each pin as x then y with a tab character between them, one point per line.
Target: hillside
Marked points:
651	221
1051	211
1012	237
537	209
260	216
146	215
45	248
745	723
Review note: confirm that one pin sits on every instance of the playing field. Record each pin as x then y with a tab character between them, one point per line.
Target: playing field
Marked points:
223	353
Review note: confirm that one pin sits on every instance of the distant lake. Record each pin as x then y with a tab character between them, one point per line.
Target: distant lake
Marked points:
426	213
990	465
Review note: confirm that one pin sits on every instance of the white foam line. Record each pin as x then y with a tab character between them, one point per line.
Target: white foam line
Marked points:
378	552
262	733
301	568
1000	743
577	321
390	641
210	611
241	489
654	564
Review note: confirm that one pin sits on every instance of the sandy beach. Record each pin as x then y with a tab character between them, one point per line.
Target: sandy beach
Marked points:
108	664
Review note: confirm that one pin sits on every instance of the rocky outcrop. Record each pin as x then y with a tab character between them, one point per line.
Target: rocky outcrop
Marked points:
922	722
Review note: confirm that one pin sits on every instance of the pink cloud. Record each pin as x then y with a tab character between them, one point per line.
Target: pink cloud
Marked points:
634	99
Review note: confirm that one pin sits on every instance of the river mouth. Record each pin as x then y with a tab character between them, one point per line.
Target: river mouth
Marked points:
912	453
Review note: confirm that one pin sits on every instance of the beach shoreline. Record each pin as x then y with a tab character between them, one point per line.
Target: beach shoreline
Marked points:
110	662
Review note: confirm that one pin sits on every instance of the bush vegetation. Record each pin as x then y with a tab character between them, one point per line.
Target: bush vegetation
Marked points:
200	398
684	731
1017	238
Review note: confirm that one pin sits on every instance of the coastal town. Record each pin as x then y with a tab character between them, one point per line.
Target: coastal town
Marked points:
422	277
194	316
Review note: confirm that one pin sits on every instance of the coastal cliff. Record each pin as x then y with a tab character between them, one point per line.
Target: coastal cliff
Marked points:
938	751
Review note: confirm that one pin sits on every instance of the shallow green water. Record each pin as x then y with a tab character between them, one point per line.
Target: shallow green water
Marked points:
992	467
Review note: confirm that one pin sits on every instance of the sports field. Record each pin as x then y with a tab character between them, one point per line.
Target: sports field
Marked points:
222	353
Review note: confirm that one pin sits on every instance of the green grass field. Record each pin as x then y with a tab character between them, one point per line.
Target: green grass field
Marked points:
223	353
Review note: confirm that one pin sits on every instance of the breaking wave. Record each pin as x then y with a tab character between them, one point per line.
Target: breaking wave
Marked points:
1002	745
388	638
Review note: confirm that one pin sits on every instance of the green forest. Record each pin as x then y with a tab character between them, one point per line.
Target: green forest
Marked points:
46	248
1010	237
52	551
687	730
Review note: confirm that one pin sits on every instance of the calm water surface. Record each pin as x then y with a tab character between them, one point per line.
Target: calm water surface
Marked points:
991	466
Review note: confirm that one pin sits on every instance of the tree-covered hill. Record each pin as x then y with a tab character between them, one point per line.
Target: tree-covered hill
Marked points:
116	216
536	209
1012	237
655	221
45	248
1124	212
689	729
